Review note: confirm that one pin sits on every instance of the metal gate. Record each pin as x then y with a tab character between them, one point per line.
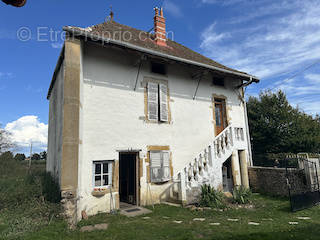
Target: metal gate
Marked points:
303	183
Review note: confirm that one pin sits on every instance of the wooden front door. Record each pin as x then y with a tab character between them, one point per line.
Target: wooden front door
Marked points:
220	115
128	178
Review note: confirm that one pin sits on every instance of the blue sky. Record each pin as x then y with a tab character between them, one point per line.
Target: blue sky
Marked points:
274	40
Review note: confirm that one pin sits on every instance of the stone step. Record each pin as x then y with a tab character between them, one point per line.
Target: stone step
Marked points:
174	204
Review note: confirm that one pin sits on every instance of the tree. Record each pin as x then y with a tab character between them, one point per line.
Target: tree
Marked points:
43	155
6	156
5	142
35	156
20	157
277	127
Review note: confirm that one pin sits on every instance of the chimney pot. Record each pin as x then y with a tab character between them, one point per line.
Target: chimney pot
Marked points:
160	28
156	10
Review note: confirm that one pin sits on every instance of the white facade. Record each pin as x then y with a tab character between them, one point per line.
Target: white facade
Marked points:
55	129
112	119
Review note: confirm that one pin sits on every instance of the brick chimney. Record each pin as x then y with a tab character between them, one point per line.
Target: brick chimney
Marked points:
160	28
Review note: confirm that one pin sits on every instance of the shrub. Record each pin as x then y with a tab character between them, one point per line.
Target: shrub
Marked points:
242	195
20	157
22	194
211	197
50	188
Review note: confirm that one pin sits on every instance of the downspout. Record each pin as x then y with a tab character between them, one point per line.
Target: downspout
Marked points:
248	133
139	68
246	117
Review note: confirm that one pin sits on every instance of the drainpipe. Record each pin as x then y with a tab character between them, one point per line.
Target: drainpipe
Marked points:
246	118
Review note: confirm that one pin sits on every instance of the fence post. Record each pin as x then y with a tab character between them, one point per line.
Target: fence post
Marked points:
288	184
317	179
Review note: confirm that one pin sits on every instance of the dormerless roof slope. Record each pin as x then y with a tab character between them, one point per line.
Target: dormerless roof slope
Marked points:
122	33
118	34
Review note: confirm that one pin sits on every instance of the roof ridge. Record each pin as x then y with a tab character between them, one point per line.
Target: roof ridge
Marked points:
173	48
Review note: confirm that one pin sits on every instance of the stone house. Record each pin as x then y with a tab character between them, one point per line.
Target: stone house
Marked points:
138	118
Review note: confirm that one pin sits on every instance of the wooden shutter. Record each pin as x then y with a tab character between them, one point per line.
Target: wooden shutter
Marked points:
166	166
163	103
155	166
152	101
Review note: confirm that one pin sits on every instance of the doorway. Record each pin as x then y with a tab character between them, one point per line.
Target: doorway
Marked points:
128	177
227	179
220	114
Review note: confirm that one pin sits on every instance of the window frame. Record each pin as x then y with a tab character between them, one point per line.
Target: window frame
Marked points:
154	65
109	174
218	81
159	102
162	166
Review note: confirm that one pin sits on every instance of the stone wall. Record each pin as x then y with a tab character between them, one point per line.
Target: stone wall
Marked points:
273	180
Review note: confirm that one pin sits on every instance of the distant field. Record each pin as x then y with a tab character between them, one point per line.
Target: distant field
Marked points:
22	205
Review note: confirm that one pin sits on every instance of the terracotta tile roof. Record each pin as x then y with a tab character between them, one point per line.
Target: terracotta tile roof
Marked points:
120	32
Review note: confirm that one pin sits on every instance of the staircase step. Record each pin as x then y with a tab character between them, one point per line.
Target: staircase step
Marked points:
173	204
173	201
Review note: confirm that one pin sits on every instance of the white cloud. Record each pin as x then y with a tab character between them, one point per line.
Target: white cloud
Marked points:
302	91
210	37
313	78
28	129
274	41
172	8
281	43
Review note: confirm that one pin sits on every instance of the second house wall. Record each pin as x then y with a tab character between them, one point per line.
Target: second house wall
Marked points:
114	117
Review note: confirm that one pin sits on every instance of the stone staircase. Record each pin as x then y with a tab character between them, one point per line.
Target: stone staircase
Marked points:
206	168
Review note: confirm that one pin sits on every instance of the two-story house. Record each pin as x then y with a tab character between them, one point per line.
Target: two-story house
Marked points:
138	118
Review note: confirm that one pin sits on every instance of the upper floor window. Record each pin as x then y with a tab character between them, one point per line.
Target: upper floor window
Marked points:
102	174
157	102
218	81
158	68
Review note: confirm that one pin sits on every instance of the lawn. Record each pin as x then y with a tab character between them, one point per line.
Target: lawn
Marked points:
32	218
272	214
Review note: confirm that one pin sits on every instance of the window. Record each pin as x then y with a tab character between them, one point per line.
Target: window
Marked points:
218	115
157	102
160	166
158	68
218	81
102	173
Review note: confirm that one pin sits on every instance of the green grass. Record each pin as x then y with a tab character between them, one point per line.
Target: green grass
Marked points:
26	215
123	228
22	206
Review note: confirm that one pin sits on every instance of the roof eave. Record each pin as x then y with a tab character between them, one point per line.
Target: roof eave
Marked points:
83	33
56	70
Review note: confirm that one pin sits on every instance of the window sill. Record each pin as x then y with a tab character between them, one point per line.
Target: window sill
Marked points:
161	182
99	192
157	122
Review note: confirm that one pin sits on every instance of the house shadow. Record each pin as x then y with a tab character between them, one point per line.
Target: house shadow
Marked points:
171	193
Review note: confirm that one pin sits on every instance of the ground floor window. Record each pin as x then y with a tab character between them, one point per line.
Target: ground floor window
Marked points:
102	173
160	166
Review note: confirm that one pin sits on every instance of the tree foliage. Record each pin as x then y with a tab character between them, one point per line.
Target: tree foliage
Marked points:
43	155
20	157
5	141
35	156
277	127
